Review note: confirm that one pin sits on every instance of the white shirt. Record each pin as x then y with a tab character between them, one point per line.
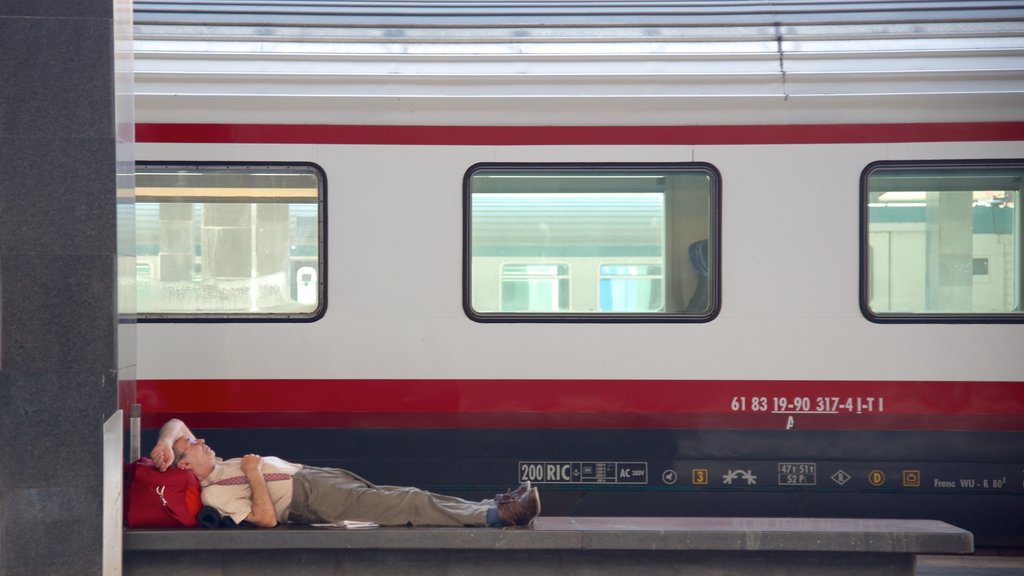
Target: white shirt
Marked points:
236	500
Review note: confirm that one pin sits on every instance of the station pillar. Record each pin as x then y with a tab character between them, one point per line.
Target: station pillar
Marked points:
66	145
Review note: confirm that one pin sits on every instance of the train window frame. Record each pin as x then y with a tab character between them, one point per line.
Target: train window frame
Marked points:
1014	315
271	168
679	252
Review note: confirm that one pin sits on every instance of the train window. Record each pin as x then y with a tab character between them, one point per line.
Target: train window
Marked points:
229	242
581	242
942	241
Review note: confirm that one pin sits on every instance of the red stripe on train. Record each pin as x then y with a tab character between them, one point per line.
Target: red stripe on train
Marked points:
625	404
567	135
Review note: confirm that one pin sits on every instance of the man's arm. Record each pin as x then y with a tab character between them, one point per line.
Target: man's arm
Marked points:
163	452
262	513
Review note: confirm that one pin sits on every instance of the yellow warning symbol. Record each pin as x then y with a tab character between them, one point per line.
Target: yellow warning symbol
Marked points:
876	477
911	478
700	476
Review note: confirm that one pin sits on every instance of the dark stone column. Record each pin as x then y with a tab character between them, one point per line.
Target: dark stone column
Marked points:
58	293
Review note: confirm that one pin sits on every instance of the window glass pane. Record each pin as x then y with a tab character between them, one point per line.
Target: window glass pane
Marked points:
631	288
228	241
534	287
944	240
591	241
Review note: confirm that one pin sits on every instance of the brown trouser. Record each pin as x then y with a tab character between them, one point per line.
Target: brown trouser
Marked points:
332	495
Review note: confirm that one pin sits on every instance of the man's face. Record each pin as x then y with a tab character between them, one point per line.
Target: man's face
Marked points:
190	452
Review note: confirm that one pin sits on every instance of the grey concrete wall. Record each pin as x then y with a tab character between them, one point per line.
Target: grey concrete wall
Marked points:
58	257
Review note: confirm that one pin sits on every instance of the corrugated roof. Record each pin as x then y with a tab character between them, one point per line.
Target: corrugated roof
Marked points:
771	54
574	13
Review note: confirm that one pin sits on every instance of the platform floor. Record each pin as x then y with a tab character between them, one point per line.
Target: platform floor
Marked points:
557	545
976	565
819	535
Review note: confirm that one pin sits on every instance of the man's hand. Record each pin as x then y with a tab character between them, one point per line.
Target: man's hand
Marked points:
262	513
163	451
252	464
162	455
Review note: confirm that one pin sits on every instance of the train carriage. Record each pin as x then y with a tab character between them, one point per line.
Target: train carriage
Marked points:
658	258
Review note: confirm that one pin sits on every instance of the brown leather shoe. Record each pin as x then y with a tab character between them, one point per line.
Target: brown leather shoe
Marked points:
514	494
519	511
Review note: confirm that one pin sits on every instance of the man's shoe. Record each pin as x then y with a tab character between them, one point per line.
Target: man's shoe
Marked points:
520	511
514	494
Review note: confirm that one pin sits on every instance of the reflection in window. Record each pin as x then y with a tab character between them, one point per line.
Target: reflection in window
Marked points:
590	241
943	239
228	242
631	288
534	287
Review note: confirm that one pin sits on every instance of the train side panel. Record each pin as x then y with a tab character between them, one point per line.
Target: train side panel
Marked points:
789	280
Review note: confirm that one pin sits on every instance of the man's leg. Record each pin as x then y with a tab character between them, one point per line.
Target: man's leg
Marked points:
335	495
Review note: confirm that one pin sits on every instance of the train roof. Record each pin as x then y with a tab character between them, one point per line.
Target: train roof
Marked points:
499	15
580	61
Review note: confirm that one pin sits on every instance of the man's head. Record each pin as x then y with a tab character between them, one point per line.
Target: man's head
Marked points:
192	454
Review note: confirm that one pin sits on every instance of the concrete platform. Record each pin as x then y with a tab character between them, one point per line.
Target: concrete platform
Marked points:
557	545
976	565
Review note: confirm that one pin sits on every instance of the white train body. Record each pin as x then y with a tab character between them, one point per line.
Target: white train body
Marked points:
790	279
789	211
790	106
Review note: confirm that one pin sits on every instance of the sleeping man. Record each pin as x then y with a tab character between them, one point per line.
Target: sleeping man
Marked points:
267	491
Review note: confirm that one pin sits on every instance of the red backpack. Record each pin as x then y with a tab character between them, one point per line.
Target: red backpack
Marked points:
155	499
